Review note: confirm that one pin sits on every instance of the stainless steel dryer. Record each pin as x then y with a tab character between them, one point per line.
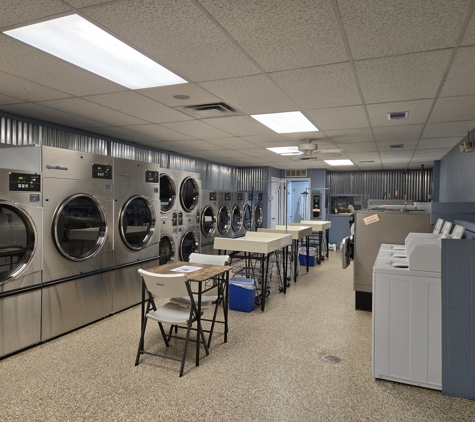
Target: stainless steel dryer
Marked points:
224	215
248	212
237	214
21	245
168	247
136	237
259	210
78	216
190	201
170	215
208	221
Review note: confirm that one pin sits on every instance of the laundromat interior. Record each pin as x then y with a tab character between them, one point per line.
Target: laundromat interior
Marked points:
310	162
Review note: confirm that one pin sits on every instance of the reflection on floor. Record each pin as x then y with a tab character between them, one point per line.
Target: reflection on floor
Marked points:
306	358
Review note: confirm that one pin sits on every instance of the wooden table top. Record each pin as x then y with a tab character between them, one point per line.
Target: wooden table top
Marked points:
205	272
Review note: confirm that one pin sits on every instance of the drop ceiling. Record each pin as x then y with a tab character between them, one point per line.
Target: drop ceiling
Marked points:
344	64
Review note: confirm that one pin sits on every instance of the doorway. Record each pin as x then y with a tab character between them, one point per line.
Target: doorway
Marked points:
298	200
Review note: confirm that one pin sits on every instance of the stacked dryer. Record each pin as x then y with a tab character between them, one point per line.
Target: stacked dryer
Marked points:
224	215
78	249
237	214
190	203
169	218
248	212
208	221
259	210
21	244
136	236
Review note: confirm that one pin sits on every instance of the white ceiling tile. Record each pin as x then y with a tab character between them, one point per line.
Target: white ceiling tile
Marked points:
280	35
434	154
320	87
453	108
378	28
83	108
460	80
418	112
229	153
23	89
346	136
251	94
37	66
297	137
362	156
448	129
5	99
84	3
393	154
240	126
338	118
469	36
259	153
164	95
197	128
14	12
358	147
198	144
159	132
397	133
233	143
37	111
178	35
400	78
386	145
119	133
137	105
438	143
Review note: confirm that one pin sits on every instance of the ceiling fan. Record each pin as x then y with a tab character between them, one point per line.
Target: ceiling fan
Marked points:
311	152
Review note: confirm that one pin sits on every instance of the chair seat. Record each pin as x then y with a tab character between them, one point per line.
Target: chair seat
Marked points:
185	301
170	313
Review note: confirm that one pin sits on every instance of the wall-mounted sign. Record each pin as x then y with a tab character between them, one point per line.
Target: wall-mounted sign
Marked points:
371	219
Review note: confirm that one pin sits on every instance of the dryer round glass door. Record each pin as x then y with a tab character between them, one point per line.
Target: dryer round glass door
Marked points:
258	215
247	217
208	221
224	219
237	218
17	241
167	193
189	194
79	227
166	249
189	244
137	222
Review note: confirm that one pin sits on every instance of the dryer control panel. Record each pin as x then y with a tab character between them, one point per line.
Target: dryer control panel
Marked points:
101	171
21	182
151	176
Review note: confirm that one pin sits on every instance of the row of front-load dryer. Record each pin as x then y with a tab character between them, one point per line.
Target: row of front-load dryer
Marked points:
74	229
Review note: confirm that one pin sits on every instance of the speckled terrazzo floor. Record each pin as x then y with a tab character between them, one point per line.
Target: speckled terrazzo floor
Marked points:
271	369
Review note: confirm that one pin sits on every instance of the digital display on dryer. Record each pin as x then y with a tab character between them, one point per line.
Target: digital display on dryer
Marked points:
151	176
212	196
20	182
101	171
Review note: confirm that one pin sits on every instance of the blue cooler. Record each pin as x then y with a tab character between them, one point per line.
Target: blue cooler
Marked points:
242	294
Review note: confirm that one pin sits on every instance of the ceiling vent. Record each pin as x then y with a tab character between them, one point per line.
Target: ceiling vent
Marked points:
296	173
398	115
366	161
207	111
396	146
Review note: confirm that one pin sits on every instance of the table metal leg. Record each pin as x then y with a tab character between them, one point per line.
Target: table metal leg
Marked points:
295	247
327	239
225	305
320	254
307	241
198	324
284	266
142	314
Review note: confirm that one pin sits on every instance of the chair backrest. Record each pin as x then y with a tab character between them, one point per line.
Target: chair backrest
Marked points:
200	258
165	285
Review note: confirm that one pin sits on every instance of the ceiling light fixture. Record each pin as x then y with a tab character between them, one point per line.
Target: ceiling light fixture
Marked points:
286	150
339	162
78	41
289	122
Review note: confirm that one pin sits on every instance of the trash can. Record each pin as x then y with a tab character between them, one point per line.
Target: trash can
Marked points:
242	294
312	252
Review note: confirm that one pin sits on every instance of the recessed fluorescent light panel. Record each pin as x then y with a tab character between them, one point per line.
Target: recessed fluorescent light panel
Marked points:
291	122
286	150
78	41
339	162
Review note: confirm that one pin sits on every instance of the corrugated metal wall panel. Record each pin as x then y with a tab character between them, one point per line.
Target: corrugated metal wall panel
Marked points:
14	132
182	163
248	178
382	184
219	177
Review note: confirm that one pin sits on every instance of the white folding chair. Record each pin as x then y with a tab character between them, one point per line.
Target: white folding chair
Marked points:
208	301
167	286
